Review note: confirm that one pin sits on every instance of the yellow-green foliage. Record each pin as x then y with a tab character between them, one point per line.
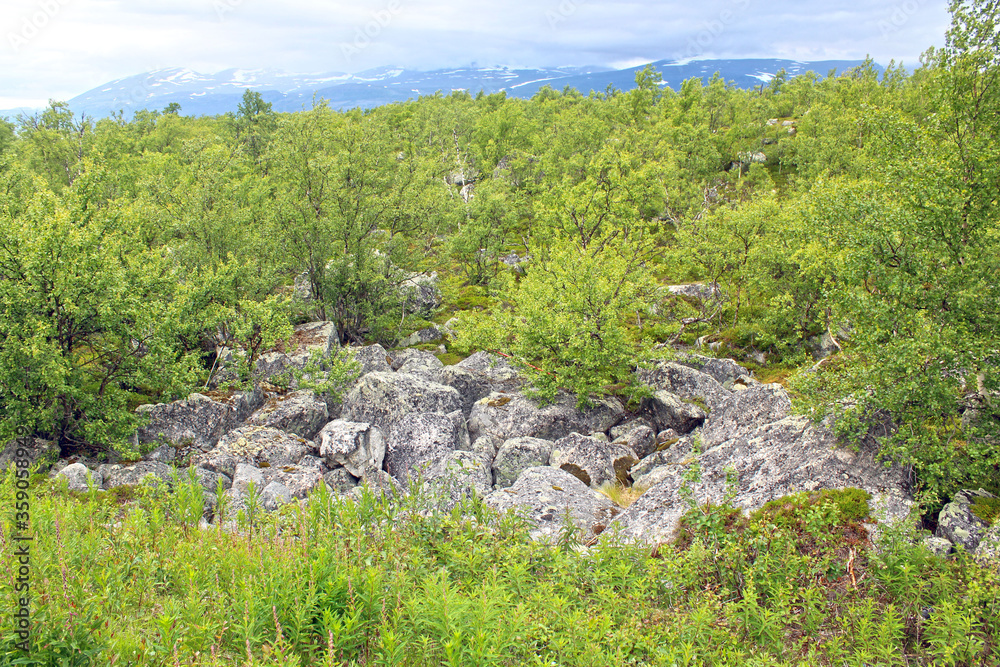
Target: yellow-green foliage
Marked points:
987	509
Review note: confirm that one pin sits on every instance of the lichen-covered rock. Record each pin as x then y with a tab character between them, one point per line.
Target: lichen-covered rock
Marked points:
641	439
457	476
938	546
686	382
417	441
381	399
358	447
744	412
210	479
594	461
421	293
76	477
256	445
546	496
321	337
494	369
198	422
300	413
517	455
470	386
373	359
163	454
513	415
116	475
428	335
723	370
775	460
958	524
300	479
629	425
380	484
38	453
988	550
274	495
677	452
667	410
415	361
244	476
340	480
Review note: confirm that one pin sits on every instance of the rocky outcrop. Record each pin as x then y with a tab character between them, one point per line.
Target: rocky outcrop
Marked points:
516	455
357	447
685	382
75	475
416	442
300	413
39	454
115	475
744	412
594	461
199	421
722	370
373	359
382	399
512	415
957	523
773	460
254	445
667	411
550	498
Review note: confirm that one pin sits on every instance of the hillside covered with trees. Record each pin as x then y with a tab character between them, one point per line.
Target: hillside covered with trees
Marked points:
843	232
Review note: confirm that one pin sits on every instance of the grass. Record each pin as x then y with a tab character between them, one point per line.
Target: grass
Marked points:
987	509
129	579
620	495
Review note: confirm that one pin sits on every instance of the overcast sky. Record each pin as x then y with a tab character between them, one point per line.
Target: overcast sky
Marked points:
56	49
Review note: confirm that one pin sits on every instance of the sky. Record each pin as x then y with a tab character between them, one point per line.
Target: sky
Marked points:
57	49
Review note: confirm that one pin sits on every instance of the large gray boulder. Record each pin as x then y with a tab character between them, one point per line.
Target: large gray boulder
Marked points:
641	440
415	442
115	475
455	477
547	496
722	370
744	412
199	421
517	455
677	452
774	460
988	550
381	399
301	479
428	335
958	524
299	413
594	461
75	475
321	337
471	386
667	410
373	359
493	368
686	382
513	415
358	447
274	495
415	361
259	446
38	453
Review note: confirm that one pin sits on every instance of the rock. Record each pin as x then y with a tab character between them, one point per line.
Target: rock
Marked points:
373	359
668	411
340	480
492	367
163	454
722	370
744	412
456	477
686	382
415	442
303	287
421	294
513	415
695	290
988	551
594	461
774	460
938	546
273	366
822	346
299	480
450	328
516	455
275	495
257	445
672	455
641	440
958	524
75	475
428	335
380	484
486	448
244	476
210	480
116	475
381	399
38	454
546	495
300	413
629	425
358	447
416	362
470	386
198	422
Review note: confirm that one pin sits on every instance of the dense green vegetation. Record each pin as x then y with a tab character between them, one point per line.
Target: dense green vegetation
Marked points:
126	577
859	206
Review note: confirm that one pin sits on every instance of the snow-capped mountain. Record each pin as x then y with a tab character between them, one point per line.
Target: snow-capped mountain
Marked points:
210	94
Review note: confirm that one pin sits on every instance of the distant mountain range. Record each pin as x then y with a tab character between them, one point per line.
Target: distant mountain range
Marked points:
210	94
